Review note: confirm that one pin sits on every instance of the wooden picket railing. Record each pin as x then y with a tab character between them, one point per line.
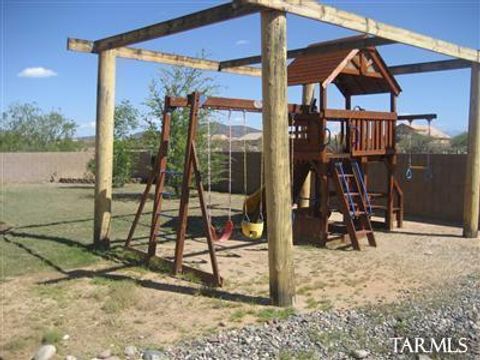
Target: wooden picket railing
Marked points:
365	133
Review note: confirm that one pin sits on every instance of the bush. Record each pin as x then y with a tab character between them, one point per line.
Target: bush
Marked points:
126	121
25	127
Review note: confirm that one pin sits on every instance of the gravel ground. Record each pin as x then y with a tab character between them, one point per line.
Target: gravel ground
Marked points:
449	312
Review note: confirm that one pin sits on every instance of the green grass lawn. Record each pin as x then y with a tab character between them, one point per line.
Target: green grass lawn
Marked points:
52	226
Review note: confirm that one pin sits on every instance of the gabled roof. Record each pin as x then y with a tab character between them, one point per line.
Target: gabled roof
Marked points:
354	72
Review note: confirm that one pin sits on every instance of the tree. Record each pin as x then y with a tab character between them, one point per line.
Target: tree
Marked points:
25	127
459	143
410	141
180	81
126	121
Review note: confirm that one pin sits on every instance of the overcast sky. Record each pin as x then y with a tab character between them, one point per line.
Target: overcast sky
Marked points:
37	67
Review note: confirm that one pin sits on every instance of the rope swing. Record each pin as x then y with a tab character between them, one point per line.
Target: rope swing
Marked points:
251	229
227	230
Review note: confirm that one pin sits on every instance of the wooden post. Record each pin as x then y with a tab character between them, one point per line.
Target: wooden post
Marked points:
276	155
193	101
472	179
305	193
323	174
104	149
391	165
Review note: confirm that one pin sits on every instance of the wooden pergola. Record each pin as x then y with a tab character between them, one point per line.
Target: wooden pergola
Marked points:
273	71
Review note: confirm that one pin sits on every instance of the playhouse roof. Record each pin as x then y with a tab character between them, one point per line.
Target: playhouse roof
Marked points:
354	72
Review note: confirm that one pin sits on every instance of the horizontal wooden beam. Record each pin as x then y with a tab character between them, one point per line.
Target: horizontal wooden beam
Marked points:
222	103
412	117
429	66
163	58
358	115
348	20
323	48
86	46
201	18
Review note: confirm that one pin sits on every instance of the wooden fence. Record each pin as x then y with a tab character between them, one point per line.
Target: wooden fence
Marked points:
439	198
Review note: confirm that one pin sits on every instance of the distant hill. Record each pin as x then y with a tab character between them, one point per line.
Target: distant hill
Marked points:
86	138
404	130
237	130
216	127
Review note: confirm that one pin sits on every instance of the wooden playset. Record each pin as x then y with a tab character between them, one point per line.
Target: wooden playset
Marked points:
359	140
339	163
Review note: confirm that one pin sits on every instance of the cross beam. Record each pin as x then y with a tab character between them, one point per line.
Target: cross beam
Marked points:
87	46
201	18
348	20
323	48
429	66
163	58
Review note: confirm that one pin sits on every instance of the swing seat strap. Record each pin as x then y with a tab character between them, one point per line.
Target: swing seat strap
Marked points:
226	233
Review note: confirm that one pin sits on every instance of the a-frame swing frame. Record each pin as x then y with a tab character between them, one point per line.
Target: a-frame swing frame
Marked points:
195	102
157	175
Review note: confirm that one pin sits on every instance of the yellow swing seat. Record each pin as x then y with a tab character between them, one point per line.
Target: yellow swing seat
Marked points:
252	230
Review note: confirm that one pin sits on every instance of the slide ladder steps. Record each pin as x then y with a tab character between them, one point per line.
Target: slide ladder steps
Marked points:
354	202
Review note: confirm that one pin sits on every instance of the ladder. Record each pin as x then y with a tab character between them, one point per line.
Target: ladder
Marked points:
354	201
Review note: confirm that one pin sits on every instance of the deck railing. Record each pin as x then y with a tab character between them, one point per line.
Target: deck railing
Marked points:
365	133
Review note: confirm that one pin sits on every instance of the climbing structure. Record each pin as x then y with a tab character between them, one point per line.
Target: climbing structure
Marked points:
340	162
337	146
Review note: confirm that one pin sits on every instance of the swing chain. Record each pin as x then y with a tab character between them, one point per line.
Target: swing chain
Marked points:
245	189
229	164
209	170
260	215
409	173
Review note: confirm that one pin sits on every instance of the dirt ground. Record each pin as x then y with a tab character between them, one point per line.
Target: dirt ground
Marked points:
115	303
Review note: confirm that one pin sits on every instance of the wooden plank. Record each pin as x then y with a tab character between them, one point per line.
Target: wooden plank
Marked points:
156	261
187	176
472	177
207	226
162	153
339	68
323	48
412	117
369	152
360	115
86	46
159	186
104	149
429	66
276	156
352	21
183	23
221	103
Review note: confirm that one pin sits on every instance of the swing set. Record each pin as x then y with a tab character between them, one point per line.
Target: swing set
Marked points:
251	228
